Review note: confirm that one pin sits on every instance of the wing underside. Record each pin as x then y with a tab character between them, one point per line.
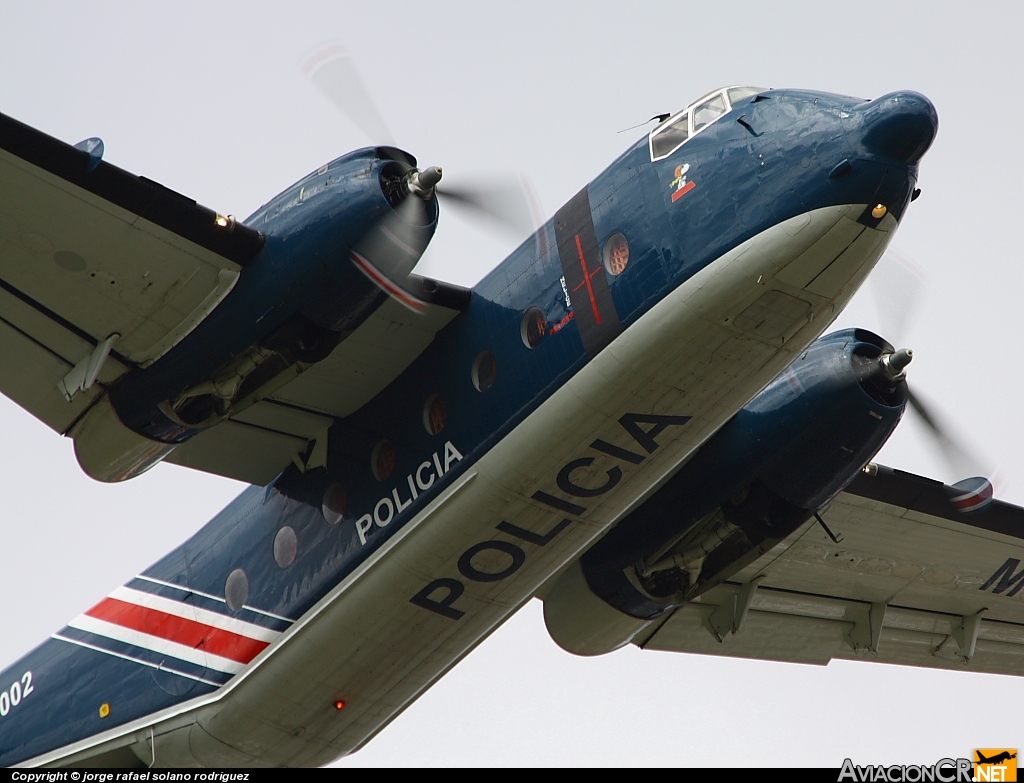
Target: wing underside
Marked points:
911	581
102	269
89	251
291	425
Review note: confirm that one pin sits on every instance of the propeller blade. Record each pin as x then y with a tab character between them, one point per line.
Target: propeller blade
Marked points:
334	73
977	490
975	494
389	251
505	204
897	285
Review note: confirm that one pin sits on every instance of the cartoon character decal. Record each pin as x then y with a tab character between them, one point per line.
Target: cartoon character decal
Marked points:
680	183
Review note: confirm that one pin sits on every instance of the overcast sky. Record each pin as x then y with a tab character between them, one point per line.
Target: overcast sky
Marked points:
209	100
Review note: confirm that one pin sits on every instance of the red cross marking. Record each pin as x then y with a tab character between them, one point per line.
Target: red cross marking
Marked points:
586	280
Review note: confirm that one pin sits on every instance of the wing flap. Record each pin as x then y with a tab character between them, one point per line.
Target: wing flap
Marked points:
765	635
109	252
36	352
911	581
784	627
367	361
258	443
240	451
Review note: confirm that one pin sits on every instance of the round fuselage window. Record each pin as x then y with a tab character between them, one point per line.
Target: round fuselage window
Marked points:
382	460
616	254
485	371
435	414
532	327
334	504
236	589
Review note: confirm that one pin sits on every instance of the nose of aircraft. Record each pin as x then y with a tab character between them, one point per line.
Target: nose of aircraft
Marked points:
900	125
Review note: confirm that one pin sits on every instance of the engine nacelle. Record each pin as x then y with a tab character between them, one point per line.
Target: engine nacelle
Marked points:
785	455
291	306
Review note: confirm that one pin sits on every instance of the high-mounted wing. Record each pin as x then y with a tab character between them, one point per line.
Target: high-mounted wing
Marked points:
912	581
292	424
89	252
102	272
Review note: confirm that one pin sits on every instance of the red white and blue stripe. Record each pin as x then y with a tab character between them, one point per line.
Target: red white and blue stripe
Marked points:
168	627
975	494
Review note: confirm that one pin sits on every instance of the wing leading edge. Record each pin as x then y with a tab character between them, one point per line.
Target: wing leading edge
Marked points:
88	252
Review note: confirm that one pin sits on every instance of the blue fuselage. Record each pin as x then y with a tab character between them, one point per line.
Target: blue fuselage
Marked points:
793	152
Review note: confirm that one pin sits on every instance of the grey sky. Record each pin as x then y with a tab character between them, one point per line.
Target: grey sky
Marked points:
208	99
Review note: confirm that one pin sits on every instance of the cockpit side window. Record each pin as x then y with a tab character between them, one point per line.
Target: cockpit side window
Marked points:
672	134
666	139
709	111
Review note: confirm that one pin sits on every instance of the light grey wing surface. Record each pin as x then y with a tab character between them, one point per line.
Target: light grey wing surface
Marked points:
912	581
89	251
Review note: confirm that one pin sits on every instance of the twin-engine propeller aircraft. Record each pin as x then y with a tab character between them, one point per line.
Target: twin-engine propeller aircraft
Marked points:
634	417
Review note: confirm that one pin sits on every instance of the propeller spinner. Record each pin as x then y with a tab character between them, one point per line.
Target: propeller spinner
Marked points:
974	493
389	251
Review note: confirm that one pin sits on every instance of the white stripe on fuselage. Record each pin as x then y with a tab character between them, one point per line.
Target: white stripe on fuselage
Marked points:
123	657
155	644
190	612
218	598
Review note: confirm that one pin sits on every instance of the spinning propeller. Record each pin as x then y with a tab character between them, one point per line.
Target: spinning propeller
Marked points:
390	250
975	492
897	291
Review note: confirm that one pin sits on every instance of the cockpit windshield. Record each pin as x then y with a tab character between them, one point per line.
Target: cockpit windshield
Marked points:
677	130
737	94
706	113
